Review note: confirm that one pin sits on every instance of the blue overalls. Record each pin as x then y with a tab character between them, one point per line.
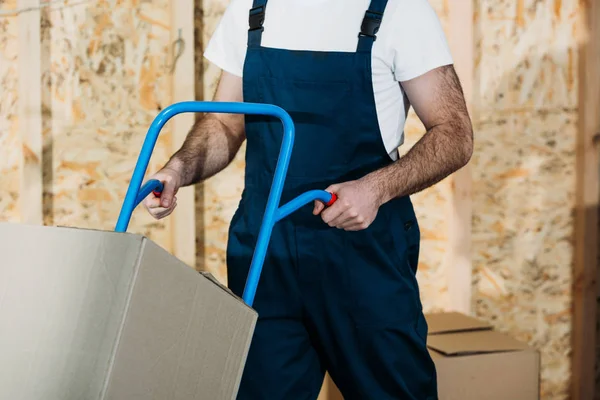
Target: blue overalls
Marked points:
345	302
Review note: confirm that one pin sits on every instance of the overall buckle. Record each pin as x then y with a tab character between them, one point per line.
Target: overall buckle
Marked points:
370	24
257	18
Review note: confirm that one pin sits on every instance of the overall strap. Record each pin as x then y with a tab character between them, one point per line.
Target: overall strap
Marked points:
370	25
256	19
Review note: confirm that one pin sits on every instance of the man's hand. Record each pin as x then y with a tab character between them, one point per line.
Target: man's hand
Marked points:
163	206
209	147
356	206
438	100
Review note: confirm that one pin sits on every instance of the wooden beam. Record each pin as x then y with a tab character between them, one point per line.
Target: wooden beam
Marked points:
459	260
585	273
183	224
30	112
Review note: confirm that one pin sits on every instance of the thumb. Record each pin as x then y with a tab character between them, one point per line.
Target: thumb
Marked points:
334	188
319	206
166	197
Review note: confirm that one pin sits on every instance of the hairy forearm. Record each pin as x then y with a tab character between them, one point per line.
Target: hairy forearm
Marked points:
443	150
447	146
209	147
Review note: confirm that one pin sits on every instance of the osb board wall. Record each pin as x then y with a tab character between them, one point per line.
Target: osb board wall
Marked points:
431	207
9	135
524	178
219	196
104	79
108	78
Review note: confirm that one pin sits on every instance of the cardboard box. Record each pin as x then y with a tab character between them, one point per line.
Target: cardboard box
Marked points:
88	315
475	362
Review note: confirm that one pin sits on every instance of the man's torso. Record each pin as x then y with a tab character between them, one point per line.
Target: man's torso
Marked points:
333	25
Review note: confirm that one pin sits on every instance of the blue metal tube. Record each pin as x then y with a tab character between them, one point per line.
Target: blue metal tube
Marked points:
151	186
272	214
301	201
169	112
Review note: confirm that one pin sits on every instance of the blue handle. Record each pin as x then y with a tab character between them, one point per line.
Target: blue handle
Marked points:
272	214
151	186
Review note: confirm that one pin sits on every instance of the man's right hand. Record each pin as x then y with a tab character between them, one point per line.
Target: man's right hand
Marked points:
209	147
163	206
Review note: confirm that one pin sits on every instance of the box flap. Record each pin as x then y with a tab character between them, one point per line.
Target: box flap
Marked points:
453	322
214	280
474	342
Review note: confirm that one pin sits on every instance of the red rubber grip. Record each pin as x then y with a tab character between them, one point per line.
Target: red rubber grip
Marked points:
333	200
156	193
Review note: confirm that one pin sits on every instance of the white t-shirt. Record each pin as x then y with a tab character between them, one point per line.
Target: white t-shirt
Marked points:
410	42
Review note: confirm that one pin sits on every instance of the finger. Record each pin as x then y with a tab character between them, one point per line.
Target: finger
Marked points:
165	214
358	224
152	202
319	206
158	211
167	211
168	193
334	188
356	227
347	218
333	212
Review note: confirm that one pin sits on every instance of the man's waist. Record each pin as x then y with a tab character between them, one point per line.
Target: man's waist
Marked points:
296	183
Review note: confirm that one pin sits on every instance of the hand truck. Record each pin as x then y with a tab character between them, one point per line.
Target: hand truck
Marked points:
273	212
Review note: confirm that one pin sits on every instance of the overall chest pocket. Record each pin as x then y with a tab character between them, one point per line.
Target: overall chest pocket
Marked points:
322	114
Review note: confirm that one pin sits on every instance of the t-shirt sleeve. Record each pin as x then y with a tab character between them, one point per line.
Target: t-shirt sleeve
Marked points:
419	43
227	46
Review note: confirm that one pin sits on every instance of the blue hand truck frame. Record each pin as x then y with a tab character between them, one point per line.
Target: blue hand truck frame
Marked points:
273	212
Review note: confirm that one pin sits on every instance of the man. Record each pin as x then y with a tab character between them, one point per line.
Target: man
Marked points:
338	289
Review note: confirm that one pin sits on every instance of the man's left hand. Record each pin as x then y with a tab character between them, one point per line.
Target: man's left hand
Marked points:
356	206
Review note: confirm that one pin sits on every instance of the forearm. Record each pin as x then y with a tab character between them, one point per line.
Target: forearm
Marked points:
209	147
443	150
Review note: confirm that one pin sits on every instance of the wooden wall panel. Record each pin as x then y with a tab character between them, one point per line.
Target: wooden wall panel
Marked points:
9	130
107	78
219	195
442	9
182	71
524	175
30	113
432	209
586	287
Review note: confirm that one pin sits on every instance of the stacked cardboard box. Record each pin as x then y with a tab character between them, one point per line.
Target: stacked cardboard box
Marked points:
476	362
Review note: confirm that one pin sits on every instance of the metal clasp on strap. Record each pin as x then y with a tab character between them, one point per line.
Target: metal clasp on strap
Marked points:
370	24
257	18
